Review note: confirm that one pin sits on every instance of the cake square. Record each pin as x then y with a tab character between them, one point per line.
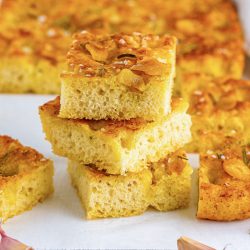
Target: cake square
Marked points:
26	178
224	185
116	146
119	77
164	185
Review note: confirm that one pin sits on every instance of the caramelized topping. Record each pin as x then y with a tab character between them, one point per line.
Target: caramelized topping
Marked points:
173	163
133	81
150	66
37	23
233	163
141	54
237	169
126	56
229	95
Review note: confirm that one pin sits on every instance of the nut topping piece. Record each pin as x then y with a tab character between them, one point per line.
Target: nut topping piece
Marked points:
237	169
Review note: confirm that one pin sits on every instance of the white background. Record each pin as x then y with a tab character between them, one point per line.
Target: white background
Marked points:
244	10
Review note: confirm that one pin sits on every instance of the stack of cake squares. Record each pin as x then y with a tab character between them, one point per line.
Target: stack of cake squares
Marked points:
118	125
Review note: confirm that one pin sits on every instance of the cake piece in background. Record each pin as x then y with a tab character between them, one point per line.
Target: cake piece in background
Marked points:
220	110
224	184
211	42
165	185
26	177
34	38
116	146
118	77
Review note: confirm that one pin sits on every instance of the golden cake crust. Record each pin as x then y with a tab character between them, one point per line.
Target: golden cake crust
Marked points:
101	55
220	95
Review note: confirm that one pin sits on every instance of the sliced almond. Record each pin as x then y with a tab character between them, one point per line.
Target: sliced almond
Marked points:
237	169
227	102
130	79
100	55
151	66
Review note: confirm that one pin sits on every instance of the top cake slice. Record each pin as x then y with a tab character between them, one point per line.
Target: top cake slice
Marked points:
119	77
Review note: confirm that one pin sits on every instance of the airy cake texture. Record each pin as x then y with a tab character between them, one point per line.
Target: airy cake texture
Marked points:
224	185
119	77
26	178
220	110
209	33
116	146
165	185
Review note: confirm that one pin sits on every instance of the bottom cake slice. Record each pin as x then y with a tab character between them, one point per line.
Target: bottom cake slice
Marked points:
164	185
26	178
224	184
